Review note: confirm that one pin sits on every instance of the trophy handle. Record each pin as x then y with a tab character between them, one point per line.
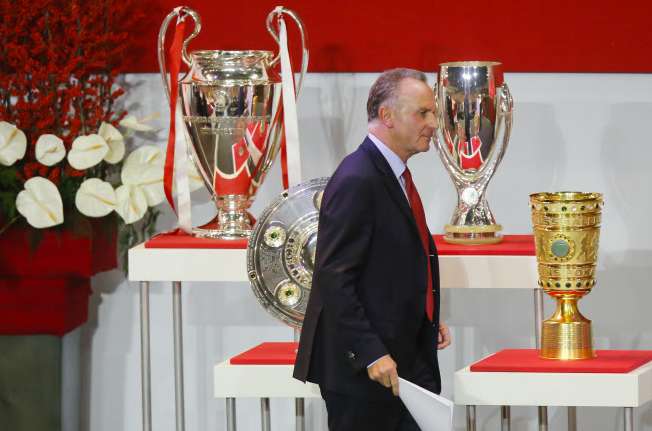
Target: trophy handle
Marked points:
277	13
180	12
503	130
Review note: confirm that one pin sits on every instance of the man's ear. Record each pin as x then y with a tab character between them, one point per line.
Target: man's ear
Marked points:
386	116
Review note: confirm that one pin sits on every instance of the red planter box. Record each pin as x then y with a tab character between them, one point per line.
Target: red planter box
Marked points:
44	287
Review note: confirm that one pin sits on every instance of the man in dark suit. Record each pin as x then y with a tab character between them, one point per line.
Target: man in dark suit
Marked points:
373	312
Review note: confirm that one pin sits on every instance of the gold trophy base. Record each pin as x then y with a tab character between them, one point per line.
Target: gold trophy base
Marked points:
567	334
473	235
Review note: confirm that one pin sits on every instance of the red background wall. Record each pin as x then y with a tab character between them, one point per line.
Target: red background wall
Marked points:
370	36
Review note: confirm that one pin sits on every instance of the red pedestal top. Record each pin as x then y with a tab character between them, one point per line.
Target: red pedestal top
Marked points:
511	245
268	354
527	360
179	239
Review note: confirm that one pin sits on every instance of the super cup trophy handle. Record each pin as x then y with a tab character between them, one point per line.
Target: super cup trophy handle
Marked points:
505	105
181	13
277	13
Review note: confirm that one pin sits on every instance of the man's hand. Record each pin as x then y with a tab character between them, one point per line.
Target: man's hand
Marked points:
384	372
444	338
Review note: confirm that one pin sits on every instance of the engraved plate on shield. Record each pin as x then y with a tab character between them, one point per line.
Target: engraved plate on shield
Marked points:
281	251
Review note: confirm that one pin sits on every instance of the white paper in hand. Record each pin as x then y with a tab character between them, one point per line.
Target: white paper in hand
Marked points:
431	411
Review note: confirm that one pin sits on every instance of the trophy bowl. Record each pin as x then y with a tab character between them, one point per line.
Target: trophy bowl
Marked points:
566	233
474	112
230	102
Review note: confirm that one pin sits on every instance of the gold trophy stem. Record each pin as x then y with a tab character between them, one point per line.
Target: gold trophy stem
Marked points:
567	334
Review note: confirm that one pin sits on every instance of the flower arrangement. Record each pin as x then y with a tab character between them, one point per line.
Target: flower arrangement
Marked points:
63	156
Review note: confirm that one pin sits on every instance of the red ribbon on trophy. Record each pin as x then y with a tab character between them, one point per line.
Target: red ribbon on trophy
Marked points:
174	66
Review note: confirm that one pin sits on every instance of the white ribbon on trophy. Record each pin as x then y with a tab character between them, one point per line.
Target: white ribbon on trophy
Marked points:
181	164
289	107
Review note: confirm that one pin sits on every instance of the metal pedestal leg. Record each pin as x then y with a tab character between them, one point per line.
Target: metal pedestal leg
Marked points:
538	324
299	403
300	412
230	414
470	418
145	383
543	418
629	419
178	354
505	418
265	418
572	418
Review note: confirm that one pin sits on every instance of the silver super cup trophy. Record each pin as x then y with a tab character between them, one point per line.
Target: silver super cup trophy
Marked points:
232	109
474	113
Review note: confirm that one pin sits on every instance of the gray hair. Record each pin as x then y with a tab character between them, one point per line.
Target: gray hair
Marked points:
384	89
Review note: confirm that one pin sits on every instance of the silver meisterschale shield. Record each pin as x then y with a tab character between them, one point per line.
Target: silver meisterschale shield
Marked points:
281	251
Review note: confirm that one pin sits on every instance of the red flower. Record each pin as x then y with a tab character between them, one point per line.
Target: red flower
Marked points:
30	169
55	175
72	172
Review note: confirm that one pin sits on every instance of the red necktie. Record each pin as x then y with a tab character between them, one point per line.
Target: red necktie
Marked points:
420	218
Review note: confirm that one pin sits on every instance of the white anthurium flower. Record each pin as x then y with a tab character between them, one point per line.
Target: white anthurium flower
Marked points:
87	151
131	122
49	150
40	203
95	198
131	203
114	140
144	168
13	143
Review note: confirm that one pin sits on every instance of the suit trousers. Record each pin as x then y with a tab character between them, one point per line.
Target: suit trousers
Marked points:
354	413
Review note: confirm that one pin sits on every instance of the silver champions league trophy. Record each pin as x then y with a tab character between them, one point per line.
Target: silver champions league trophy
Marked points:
281	251
474	114
232	109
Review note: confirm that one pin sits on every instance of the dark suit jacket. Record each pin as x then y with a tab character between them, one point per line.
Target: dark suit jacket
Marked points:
369	283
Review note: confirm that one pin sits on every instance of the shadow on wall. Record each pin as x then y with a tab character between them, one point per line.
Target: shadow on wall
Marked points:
104	284
536	156
619	305
327	126
626	166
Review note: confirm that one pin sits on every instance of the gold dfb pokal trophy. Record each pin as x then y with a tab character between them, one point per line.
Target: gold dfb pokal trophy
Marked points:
566	233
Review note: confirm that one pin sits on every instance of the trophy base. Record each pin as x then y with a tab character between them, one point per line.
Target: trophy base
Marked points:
473	235
229	231
567	334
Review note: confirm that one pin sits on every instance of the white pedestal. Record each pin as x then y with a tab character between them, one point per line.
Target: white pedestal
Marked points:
259	381
209	264
626	390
